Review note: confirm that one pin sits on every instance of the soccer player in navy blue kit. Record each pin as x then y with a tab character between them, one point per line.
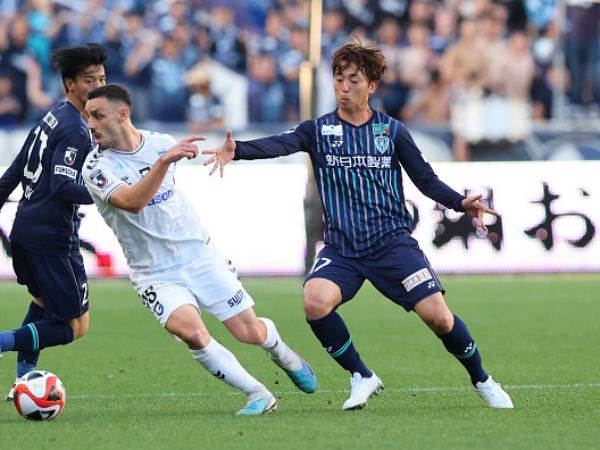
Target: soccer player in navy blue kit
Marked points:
44	241
357	154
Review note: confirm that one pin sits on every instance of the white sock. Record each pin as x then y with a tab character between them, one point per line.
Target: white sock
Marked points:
278	350
221	363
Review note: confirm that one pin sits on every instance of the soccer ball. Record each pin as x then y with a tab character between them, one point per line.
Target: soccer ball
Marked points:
39	395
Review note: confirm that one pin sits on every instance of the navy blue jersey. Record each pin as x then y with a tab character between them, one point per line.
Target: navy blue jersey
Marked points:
49	169
357	170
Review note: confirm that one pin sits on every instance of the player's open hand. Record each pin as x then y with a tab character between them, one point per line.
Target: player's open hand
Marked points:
221	155
474	208
183	149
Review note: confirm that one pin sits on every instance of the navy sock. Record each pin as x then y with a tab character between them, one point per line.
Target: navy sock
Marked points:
27	360
460	343
335	337
39	335
7	341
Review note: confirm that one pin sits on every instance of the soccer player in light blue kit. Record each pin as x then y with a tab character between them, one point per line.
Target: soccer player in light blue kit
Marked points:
357	154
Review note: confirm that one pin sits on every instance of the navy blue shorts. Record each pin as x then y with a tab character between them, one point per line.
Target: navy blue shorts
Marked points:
400	271
59	280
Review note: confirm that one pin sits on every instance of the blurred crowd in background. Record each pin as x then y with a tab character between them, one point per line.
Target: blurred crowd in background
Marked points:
449	61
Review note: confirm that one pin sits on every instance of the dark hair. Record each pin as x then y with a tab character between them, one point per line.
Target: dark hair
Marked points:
368	59
113	92
72	61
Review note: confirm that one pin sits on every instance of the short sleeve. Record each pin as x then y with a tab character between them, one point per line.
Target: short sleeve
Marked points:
68	157
99	178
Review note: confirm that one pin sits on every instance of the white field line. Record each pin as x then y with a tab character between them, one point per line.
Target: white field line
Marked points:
576	386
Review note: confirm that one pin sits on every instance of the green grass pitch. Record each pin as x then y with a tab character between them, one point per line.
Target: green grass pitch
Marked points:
131	386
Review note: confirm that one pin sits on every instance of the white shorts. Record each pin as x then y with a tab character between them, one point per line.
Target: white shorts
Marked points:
210	283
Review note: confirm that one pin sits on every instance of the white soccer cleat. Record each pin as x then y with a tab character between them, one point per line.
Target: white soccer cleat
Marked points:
262	402
493	394
11	394
362	389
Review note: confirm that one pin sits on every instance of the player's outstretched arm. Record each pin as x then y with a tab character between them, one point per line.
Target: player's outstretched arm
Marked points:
134	198
300	138
474	208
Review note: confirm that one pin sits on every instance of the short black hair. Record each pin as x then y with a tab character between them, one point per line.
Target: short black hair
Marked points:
72	61
114	92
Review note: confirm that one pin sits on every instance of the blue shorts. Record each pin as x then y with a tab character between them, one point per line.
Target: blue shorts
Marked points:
400	271
59	280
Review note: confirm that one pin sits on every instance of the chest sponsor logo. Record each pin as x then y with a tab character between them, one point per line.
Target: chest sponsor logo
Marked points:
99	179
332	130
412	281
50	120
66	171
357	161
70	156
382	136
381	128
159	198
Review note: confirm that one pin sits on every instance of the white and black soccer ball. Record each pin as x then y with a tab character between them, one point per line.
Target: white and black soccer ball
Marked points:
39	395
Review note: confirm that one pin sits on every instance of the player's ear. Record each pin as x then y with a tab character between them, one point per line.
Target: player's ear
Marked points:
123	112
373	85
68	82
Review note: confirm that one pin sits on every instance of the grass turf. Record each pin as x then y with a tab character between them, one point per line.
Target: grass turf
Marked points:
131	386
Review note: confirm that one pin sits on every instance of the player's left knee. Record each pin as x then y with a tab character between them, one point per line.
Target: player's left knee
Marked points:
80	327
442	323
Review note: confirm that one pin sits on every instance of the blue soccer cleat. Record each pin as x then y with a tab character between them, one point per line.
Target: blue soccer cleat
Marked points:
303	378
258	403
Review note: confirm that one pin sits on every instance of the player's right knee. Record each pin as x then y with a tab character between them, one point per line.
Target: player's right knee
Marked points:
195	339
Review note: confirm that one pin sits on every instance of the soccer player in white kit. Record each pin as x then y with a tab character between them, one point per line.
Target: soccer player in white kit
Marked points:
174	266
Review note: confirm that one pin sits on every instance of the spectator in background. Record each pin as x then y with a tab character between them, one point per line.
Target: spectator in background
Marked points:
227	46
183	35
360	14
10	107
86	25
24	71
391	94
517	68
490	30
289	67
272	41
137	51
205	110
465	67
582	48
430	105
168	89
444	31
178	12
421	11
334	35
416	59
266	98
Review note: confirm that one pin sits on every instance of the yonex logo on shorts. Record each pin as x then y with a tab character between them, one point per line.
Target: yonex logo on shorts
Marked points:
416	278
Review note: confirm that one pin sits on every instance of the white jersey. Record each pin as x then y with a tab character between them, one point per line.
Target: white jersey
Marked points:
167	233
